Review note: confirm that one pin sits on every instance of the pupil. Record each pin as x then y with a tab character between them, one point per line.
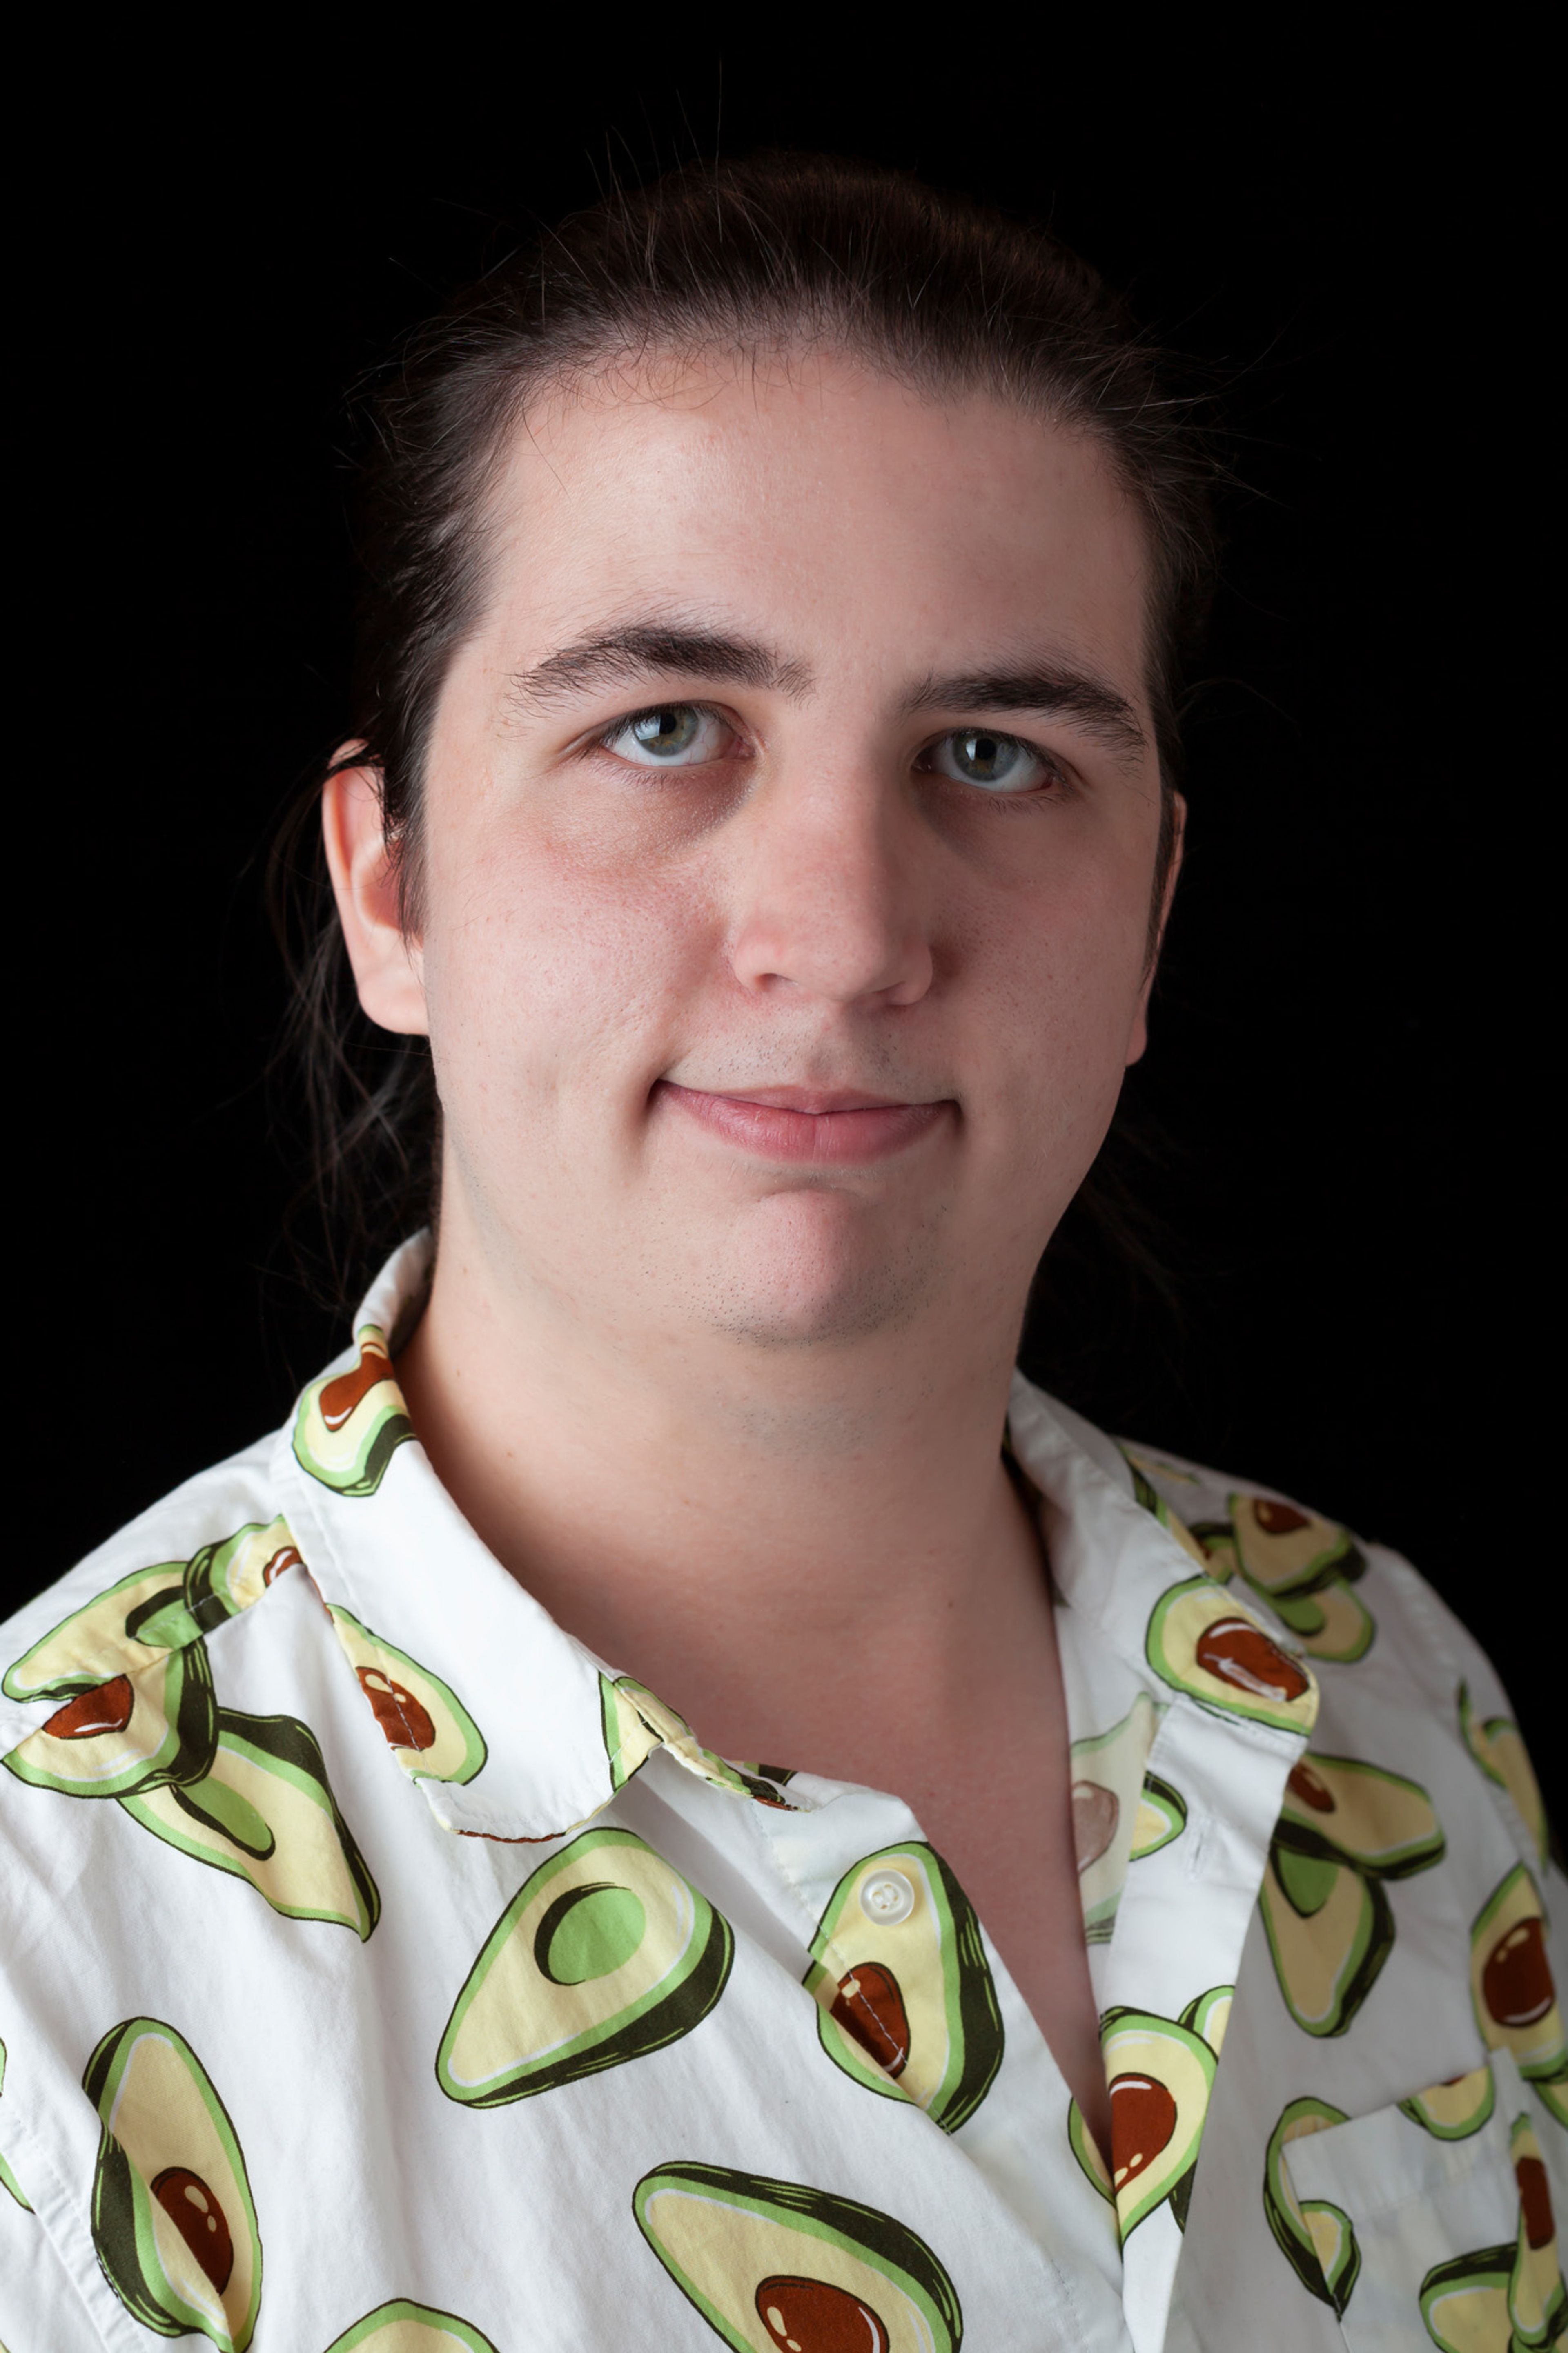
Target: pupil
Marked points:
986	753
669	729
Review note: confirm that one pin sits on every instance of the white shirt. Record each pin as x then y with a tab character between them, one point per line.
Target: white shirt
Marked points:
382	1970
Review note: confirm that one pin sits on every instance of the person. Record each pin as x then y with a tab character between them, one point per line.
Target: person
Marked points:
756	836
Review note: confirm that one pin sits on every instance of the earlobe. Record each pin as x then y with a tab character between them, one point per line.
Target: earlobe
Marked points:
386	964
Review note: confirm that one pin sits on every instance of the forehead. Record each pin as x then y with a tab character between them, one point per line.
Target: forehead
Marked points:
836	511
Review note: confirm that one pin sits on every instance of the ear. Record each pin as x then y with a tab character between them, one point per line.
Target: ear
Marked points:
1137	1043
388	969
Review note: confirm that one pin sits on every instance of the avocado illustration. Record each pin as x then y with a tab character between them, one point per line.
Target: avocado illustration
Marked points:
1464	2301
1281	1549
1503	1758
629	1739
401	2327
1454	2110
1208	2015
134	1733
1200	1643
1332	1621
1316	2237
266	1813
8	2179
1330	1931
172	2220
1510	1980
1106	1785
636	1721
1217	1541
1146	1493
224	1579
1161	1816
1086	2148
1160	2074
906	2005
1537	2298
773	2265
432	1734
128	1625
1345	1810
603	1955
349	1425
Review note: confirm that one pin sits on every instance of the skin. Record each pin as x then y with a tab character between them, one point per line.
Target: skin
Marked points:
724	1384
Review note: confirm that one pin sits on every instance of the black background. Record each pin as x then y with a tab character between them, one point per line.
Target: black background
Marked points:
211	261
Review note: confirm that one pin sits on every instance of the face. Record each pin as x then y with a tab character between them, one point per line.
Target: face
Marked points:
791	819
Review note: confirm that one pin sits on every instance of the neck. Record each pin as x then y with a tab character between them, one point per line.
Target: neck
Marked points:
732	1521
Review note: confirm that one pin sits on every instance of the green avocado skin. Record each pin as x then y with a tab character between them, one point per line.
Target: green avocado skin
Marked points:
853	2225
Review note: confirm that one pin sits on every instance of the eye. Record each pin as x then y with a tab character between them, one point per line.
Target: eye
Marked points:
996	763
670	736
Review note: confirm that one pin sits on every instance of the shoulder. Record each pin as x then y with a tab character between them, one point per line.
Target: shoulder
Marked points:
174	1573
1383	1643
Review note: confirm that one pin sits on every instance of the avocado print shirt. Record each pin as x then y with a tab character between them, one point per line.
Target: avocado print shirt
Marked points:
382	1970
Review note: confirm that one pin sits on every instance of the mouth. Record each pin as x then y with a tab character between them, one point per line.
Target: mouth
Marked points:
810	1126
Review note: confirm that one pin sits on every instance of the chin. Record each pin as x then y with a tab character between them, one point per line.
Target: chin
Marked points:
809	1271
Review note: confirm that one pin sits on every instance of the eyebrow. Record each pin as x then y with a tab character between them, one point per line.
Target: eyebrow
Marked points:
625	657
640	651
1085	702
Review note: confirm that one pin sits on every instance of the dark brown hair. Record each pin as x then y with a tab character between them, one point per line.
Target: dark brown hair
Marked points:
777	253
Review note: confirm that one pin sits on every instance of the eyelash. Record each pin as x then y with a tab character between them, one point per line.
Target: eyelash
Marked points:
1056	781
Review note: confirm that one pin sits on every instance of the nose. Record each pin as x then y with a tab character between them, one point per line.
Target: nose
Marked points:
830	902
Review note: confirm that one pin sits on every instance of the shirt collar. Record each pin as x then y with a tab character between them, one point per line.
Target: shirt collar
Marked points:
515	1730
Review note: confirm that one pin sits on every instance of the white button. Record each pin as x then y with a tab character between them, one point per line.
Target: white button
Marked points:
887	1897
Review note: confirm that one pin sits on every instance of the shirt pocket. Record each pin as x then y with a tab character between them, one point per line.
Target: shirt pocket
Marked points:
1434	2222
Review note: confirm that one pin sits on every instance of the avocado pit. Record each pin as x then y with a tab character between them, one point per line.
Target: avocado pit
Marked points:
807	2315
1095	1813
196	2214
106	1708
1310	1788
869	2006
405	1721
1516	1982
339	1397
1277	1519
1142	2123
1236	1651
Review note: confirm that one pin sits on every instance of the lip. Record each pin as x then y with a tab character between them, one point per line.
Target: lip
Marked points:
808	1127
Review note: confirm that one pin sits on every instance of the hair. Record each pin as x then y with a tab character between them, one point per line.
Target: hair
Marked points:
776	254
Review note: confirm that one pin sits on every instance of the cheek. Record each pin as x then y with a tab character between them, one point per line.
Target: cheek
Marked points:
1064	972
537	969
